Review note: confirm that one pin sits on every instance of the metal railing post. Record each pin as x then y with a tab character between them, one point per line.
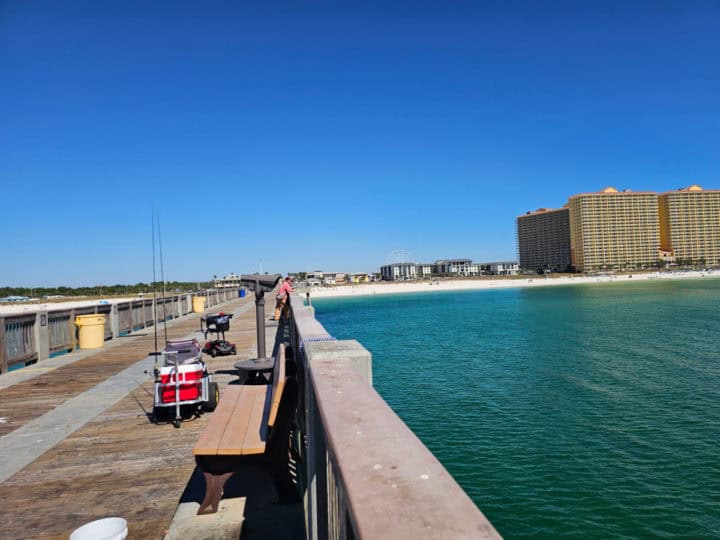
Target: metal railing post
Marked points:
260	323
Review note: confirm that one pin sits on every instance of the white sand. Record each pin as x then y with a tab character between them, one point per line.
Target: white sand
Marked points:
370	289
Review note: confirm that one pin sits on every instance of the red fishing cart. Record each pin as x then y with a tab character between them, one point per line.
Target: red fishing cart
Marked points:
182	380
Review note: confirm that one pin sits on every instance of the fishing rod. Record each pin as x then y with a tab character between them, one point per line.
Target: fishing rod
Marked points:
154	281
162	275
156	354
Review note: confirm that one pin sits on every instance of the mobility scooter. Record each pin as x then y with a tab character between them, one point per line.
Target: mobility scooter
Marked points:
217	324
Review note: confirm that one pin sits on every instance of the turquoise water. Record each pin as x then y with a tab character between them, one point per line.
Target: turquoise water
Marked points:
576	411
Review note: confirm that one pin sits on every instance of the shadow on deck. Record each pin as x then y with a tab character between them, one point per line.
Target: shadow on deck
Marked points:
248	510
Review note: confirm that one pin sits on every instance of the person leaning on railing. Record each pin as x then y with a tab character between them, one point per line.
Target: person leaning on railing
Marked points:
281	304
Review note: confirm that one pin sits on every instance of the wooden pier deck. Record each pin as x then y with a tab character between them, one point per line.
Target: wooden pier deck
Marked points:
119	463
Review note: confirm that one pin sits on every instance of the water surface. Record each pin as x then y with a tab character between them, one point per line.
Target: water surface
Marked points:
581	411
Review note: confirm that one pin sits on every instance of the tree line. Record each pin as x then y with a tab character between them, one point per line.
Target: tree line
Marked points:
107	290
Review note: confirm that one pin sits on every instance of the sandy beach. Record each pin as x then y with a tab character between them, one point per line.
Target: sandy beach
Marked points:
370	289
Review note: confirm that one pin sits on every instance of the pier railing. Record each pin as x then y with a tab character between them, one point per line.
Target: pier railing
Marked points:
29	337
363	473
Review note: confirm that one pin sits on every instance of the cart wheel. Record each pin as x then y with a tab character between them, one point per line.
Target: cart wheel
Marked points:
233	351
176	423
213	397
158	415
213	353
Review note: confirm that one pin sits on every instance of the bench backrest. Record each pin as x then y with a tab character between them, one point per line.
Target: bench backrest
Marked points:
278	384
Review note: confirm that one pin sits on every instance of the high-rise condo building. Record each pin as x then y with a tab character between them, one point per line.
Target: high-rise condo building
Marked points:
612	230
690	225
544	240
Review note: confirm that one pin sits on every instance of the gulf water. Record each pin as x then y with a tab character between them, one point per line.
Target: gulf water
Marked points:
582	411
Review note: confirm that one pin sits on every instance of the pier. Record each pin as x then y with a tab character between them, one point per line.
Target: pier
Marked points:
77	441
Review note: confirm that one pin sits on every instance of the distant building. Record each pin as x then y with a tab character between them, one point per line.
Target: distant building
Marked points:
399	271
443	267
456	267
358	277
229	281
544	240
612	230
425	271
502	268
333	278
690	225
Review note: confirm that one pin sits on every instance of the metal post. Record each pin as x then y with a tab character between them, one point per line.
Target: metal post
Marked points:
260	322
261	284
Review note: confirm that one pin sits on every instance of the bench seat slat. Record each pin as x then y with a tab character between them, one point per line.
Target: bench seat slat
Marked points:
243	421
256	436
211	436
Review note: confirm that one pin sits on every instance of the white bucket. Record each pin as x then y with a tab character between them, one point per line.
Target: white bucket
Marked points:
113	528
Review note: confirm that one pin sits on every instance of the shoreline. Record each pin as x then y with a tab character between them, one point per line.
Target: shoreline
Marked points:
383	288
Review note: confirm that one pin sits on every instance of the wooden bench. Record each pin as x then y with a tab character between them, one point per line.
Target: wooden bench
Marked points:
252	422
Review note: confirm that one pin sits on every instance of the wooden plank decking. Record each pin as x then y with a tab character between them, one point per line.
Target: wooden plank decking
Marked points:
119	463
30	399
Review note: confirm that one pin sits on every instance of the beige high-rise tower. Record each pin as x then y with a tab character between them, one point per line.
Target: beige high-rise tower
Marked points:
690	225
612	230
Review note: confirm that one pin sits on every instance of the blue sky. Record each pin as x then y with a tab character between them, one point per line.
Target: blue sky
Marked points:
320	135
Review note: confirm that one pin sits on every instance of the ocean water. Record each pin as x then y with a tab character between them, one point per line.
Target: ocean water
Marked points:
582	411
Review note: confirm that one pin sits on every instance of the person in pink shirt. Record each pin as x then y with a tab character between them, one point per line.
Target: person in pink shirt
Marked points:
281	304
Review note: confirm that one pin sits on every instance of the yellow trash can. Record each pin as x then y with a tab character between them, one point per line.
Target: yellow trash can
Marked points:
199	304
91	328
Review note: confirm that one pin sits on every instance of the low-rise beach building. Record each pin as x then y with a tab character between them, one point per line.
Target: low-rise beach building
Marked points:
543	238
333	278
230	281
442	267
456	267
358	277
425	271
502	268
399	271
690	225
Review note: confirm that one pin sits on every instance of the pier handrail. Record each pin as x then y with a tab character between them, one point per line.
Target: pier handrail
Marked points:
34	335
363	472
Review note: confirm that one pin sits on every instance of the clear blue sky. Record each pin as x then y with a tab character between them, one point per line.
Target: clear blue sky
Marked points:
328	136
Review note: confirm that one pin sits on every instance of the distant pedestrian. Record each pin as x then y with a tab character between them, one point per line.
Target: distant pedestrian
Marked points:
281	304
